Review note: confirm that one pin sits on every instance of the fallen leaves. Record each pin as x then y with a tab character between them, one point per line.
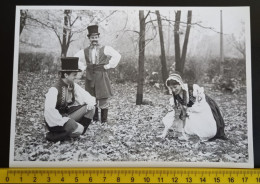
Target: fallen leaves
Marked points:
132	131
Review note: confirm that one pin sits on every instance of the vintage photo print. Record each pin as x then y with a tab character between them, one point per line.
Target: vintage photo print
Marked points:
97	86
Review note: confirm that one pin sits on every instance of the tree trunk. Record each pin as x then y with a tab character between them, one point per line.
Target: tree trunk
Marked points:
221	64
65	45
177	41
165	74
139	96
23	17
186	39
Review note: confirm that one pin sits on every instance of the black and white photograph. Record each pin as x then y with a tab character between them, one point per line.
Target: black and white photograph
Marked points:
111	86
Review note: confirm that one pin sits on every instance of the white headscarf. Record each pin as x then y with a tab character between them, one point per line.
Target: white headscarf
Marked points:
177	78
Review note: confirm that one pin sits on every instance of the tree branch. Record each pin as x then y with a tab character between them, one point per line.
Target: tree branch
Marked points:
108	16
196	24
57	35
147	15
74	21
93	18
151	21
69	38
132	31
39	22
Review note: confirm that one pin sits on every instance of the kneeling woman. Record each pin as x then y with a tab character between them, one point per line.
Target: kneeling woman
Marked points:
200	114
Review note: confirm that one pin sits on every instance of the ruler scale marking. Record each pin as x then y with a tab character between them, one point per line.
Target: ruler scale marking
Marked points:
120	176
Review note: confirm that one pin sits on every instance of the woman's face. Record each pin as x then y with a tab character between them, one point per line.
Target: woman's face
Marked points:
176	89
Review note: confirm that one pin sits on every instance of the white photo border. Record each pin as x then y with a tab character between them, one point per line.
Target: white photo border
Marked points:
250	164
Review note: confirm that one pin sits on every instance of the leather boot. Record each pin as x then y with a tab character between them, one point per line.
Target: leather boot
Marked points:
95	118
85	122
57	136
104	113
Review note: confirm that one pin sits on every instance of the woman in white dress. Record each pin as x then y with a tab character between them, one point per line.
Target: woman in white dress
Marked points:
199	113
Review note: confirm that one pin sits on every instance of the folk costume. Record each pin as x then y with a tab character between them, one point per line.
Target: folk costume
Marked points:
96	60
202	117
65	111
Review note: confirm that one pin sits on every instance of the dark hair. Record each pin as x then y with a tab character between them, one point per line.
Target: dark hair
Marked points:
91	35
172	82
63	72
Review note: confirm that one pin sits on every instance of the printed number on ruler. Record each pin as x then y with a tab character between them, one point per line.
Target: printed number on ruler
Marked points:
130	175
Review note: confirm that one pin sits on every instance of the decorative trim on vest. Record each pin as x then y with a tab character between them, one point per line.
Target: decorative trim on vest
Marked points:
63	95
62	88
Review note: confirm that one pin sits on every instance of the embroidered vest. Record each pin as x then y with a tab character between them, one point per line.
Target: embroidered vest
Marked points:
101	58
63	90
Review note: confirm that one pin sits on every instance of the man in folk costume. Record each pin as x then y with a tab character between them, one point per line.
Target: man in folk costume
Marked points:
96	60
69	109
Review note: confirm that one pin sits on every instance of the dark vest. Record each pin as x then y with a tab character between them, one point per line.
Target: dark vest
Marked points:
101	58
62	104
97	80
183	101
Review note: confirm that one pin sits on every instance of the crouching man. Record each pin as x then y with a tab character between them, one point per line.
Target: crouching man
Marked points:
69	109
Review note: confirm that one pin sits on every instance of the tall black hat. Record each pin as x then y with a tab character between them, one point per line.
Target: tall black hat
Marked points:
93	30
70	64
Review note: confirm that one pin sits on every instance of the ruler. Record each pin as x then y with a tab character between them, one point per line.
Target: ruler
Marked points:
129	175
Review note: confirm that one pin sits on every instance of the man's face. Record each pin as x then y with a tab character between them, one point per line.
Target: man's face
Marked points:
94	39
71	77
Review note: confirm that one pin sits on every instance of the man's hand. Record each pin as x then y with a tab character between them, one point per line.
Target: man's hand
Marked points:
106	66
90	107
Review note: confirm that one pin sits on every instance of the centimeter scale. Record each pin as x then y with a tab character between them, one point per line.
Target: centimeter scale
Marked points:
129	175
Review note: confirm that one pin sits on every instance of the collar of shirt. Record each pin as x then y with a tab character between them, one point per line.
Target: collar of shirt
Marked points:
94	46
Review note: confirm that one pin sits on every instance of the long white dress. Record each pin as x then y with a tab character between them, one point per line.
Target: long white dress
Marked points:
200	120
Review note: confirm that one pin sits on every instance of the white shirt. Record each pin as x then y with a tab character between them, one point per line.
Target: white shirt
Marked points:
52	115
113	62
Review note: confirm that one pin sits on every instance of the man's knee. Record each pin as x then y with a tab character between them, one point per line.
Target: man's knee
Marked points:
78	131
73	128
70	126
90	113
103	103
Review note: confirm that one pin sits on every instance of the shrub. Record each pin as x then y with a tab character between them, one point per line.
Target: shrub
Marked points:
37	62
234	77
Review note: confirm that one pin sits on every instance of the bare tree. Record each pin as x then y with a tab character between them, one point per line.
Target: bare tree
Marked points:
238	41
67	35
163	58
221	64
139	96
65	23
239	45
177	41
180	56
23	17
186	39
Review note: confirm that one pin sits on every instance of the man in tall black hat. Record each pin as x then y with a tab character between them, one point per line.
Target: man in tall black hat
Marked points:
69	109
96	60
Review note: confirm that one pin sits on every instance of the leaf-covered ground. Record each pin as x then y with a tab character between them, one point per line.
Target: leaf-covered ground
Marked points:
131	133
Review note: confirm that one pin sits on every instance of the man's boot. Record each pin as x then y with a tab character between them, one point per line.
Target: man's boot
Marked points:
57	136
104	115
85	122
95	118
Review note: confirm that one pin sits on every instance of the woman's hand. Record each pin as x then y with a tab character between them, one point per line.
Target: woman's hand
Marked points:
172	102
